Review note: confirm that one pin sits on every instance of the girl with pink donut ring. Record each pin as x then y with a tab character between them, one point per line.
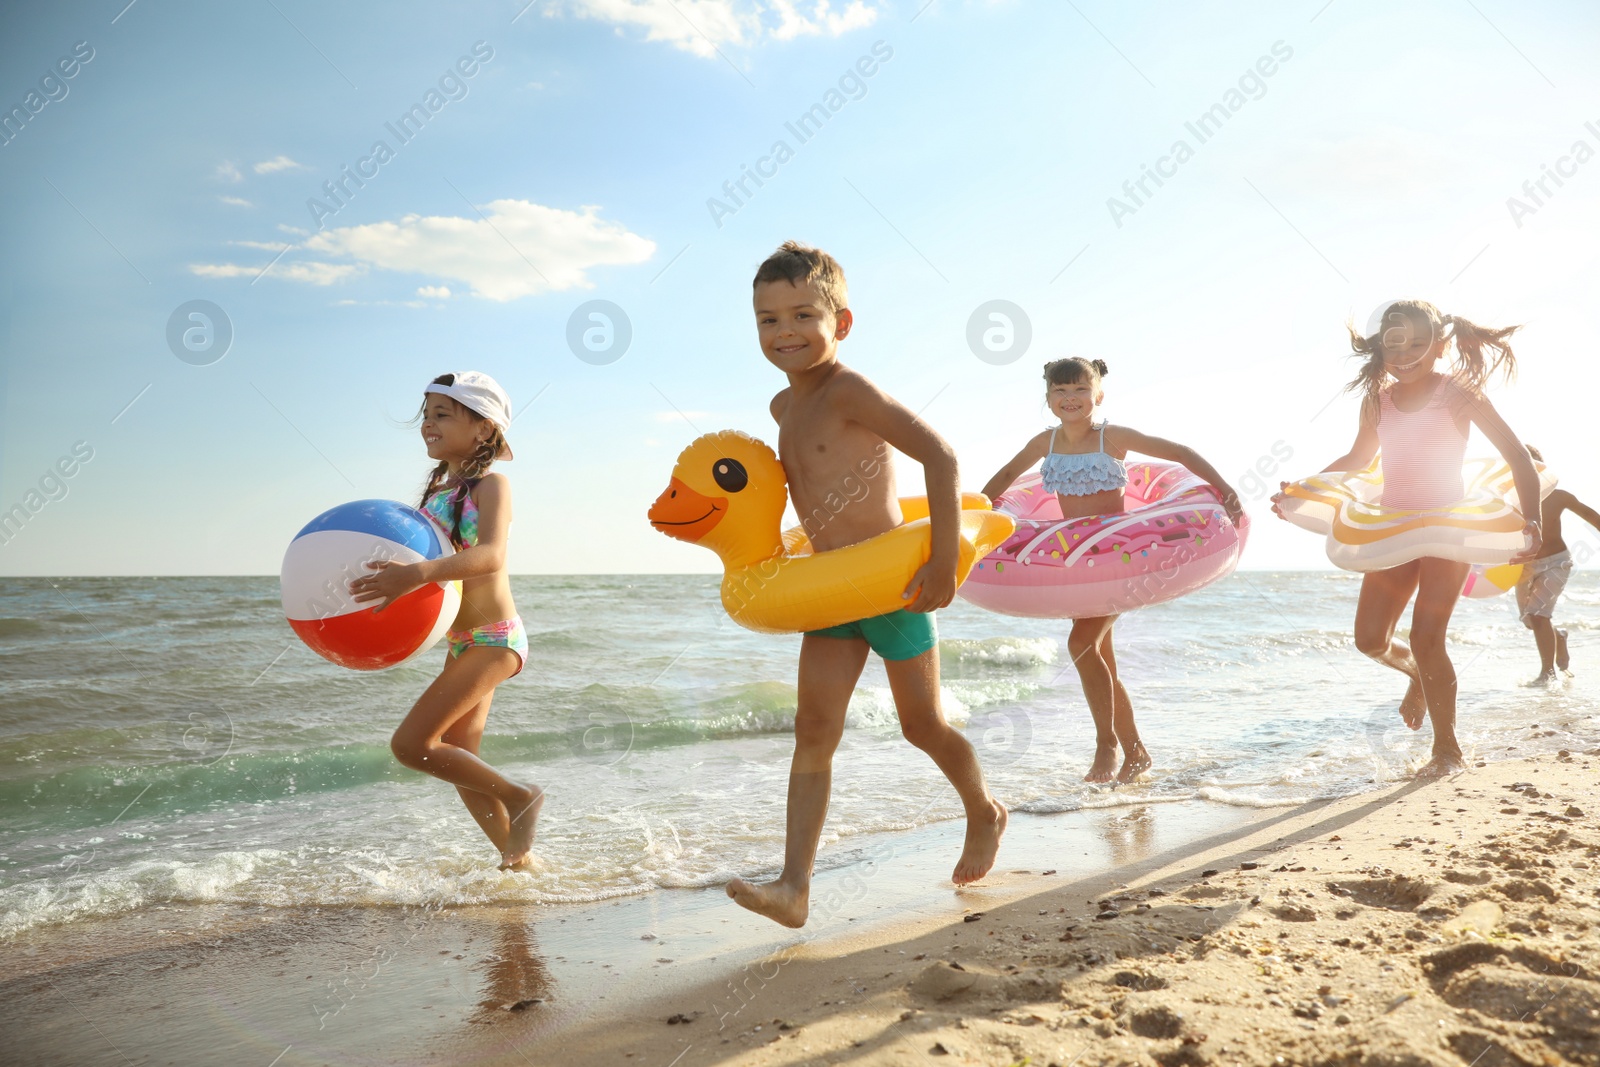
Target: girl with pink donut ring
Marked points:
1091	542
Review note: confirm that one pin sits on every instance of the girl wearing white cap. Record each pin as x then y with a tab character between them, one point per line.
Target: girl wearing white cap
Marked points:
464	418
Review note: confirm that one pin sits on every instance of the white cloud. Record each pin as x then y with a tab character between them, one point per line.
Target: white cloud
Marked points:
704	26
277	163
521	248
313	272
236	201
316	273
380	303
227	172
697	26
822	20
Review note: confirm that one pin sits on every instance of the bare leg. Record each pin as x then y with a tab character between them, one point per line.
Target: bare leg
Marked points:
1083	644
915	685
1383	600
1437	594
487	810
829	669
419	743
1544	635
1563	661
1135	760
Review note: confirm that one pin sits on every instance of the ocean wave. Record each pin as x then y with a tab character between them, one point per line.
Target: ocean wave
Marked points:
1235	798
1098	799
19	628
299	878
999	651
1285	643
549	642
873	708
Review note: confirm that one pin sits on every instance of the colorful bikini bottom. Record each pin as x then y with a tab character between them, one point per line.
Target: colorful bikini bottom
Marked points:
506	634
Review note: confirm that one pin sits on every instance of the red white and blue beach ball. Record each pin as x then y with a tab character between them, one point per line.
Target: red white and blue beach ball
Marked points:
333	550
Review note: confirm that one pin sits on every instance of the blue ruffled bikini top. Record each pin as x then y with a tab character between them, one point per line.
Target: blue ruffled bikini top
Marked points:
1082	473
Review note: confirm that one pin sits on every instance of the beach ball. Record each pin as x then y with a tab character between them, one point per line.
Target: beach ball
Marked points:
1485	581
333	550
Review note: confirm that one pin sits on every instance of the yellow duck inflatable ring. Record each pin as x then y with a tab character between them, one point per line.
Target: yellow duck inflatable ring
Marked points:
728	493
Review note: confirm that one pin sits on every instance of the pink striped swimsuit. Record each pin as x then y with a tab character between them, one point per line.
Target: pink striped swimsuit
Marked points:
1421	453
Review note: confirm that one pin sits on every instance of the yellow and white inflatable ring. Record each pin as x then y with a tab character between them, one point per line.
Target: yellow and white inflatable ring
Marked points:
1483	527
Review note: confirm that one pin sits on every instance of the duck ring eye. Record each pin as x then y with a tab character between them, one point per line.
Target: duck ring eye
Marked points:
730	475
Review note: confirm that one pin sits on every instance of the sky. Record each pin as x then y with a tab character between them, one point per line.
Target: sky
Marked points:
563	198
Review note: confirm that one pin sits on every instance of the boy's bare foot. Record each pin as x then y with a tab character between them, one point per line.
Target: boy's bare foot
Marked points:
1562	659
1547	679
1135	763
785	905
524	822
983	841
1441	765
1105	762
1414	706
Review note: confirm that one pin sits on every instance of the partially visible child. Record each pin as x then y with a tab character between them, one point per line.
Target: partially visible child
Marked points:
464	419
1418	423
1082	464
1545	576
832	424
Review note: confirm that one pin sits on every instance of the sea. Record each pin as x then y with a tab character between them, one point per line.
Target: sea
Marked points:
168	741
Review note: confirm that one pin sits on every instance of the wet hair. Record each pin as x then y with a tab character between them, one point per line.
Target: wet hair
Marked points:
1534	452
803	265
473	468
1481	352
1074	369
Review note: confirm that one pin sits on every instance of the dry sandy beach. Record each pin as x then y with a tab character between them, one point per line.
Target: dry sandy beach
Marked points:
1452	923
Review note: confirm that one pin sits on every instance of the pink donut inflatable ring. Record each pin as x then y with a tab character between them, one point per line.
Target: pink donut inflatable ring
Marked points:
1173	538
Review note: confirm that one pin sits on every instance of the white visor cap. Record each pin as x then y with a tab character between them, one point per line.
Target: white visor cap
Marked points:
481	393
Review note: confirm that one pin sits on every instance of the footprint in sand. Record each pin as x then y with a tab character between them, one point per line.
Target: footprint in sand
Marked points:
1205	892
1521	987
1157	1021
942	982
1521	889
1396	893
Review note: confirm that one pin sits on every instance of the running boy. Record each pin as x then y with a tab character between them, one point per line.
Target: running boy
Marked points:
1544	577
832	424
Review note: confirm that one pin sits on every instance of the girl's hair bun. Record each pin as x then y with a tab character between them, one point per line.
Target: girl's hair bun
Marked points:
1074	369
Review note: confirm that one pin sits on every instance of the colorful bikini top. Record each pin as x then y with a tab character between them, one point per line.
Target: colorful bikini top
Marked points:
442	507
1082	473
1421	452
